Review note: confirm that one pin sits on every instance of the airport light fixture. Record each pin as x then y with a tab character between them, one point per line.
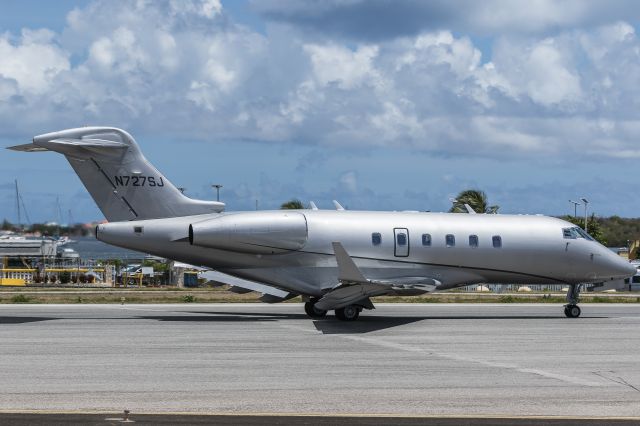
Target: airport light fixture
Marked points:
575	207
586	204
217	187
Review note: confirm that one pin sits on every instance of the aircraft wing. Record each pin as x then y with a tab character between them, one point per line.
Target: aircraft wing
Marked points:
238	285
355	287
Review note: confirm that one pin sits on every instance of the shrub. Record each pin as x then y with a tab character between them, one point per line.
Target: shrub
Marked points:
20	298
188	298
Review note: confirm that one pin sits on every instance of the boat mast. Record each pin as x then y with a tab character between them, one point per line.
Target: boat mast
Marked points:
18	205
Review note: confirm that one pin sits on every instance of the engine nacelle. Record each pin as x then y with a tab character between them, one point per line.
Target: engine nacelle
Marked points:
253	232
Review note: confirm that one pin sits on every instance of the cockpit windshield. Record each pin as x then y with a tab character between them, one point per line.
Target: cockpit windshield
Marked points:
575	232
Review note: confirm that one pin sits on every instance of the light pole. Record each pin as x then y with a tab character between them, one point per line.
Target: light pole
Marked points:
575	207
586	204
217	187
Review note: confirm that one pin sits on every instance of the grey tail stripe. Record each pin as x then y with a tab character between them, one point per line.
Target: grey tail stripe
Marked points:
129	205
106	176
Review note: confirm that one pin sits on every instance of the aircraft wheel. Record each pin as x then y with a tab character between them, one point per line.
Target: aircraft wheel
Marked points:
348	313
572	311
312	311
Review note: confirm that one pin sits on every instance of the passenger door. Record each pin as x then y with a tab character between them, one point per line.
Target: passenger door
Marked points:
401	242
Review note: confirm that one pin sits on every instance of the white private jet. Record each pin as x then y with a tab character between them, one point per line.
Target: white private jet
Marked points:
335	259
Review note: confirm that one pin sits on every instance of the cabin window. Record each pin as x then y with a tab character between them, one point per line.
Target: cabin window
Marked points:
138	229
426	239
473	241
497	241
401	239
376	238
450	240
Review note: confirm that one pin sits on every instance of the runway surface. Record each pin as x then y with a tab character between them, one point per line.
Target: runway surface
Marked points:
428	359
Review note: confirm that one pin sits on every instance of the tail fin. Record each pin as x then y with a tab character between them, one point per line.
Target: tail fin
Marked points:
124	185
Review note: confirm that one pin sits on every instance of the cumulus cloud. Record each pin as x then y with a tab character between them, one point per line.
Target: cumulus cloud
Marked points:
32	61
185	69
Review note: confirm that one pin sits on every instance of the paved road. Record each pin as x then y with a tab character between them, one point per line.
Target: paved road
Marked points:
430	359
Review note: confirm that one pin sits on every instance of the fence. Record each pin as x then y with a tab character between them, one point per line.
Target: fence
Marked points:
23	276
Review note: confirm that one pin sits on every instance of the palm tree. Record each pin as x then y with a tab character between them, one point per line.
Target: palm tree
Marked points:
476	199
293	204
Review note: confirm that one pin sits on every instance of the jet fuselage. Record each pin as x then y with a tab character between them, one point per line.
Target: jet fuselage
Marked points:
292	249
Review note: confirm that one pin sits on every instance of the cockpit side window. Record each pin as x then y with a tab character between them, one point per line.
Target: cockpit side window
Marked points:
575	232
582	233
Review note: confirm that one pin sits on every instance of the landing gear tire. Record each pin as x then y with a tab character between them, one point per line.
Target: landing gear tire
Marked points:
312	311
348	313
572	311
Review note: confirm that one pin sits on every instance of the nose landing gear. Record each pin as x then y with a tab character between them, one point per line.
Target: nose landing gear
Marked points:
571	309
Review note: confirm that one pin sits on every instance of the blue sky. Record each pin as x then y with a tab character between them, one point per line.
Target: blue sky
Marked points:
381	105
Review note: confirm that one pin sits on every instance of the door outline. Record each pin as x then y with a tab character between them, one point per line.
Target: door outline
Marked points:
402	250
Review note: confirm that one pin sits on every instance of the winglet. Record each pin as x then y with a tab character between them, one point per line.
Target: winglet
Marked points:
347	269
338	205
313	205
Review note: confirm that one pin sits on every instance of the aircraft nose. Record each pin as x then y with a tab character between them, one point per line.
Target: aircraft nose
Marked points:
630	270
614	266
622	268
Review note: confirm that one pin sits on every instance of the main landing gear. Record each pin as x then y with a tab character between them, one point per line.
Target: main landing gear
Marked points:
312	311
571	309
347	313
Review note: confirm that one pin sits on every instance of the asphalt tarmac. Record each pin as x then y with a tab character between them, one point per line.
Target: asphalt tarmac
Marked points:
490	363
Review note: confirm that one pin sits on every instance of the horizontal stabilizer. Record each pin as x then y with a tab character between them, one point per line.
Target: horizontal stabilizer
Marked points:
27	147
68	146
243	284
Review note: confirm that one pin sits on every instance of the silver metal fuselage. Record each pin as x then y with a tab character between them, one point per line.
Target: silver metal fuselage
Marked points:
292	249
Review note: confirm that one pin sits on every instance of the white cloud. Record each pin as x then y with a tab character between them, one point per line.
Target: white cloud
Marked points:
349	181
185	68
33	61
338	64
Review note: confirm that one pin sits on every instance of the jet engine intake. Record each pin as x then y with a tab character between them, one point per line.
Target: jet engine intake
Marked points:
253	232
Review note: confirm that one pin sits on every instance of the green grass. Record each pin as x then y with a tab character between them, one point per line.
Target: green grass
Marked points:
20	298
222	295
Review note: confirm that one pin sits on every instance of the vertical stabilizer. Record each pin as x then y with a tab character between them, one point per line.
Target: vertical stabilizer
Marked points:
124	185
